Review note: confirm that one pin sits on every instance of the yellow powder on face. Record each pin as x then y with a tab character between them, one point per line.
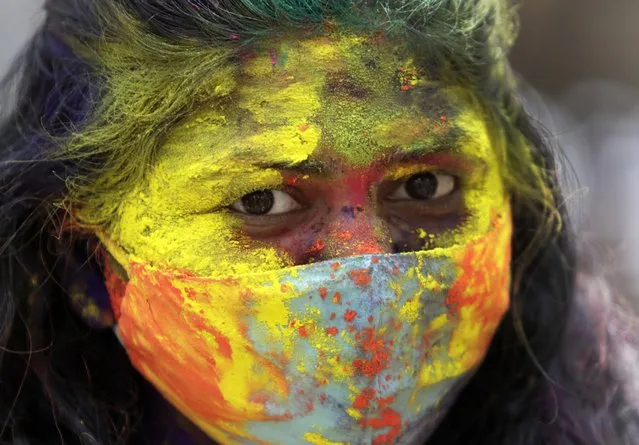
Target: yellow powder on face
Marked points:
284	114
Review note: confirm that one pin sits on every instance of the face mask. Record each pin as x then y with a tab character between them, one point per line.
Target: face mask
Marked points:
356	350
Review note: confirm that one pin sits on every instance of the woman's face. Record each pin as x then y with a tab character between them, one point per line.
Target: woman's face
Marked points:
329	148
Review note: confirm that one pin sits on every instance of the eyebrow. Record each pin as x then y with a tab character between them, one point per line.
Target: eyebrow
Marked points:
307	166
447	143
315	167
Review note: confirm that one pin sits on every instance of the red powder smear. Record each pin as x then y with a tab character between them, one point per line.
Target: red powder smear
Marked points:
361	277
337	298
333	315
332	330
490	284
346	235
302	331
317	246
223	343
381	403
357	184
388	377
350	315
363	400
181	360
291	180
323	397
368	247
375	260
388	418
477	272
303	127
370	318
335	266
351	328
323	292
378	351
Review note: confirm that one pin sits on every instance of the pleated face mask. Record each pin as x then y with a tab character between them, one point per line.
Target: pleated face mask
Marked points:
365	349
279	289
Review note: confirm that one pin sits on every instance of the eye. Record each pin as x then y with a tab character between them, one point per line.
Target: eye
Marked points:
424	186
266	202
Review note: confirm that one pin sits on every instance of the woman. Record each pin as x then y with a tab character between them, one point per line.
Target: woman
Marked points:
291	222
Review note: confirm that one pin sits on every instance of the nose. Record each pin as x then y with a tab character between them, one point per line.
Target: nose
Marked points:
355	230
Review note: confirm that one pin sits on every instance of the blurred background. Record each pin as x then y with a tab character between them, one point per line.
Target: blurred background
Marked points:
579	61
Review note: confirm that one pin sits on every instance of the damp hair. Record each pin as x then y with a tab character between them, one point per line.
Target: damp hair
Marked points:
85	108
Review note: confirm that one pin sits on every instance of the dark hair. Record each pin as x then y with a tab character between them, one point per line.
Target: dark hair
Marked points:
553	374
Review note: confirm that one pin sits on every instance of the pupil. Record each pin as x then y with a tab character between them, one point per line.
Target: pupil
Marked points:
421	186
258	203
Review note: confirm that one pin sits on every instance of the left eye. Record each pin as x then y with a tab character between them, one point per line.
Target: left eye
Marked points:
424	186
266	202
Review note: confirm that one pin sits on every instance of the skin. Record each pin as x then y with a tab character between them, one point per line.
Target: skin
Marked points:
344	138
336	126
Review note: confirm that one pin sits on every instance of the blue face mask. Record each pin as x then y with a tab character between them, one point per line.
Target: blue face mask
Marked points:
359	350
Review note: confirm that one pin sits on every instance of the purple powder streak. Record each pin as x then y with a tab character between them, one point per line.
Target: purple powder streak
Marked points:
68	102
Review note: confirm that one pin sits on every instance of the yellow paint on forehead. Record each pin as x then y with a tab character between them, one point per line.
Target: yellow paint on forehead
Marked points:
284	113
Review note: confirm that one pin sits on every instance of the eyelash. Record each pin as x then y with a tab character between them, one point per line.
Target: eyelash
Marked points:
238	206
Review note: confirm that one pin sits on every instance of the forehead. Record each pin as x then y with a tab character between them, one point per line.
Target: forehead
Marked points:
345	98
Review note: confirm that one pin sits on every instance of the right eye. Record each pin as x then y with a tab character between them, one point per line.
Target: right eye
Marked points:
425	186
266	202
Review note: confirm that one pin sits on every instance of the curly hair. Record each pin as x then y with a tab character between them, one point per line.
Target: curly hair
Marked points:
85	108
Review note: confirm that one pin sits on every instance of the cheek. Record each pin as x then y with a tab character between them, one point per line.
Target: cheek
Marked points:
209	244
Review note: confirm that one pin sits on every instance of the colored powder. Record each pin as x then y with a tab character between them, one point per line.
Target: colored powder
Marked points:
361	277
362	401
389	418
318	439
377	350
350	315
